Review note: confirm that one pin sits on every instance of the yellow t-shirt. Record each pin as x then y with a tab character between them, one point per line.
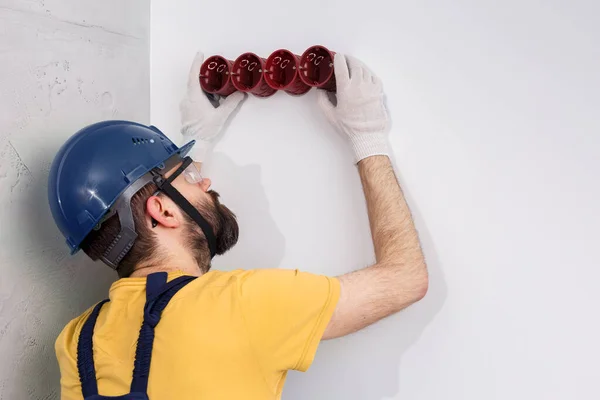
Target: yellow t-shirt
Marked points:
226	335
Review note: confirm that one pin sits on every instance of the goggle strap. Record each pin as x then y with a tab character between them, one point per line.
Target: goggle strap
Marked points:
190	210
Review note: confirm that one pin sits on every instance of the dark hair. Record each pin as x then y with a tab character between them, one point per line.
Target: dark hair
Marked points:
144	250
224	225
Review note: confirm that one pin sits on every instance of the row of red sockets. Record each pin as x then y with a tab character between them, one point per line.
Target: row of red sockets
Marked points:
282	70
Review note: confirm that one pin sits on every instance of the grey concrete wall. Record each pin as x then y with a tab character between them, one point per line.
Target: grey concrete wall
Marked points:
63	64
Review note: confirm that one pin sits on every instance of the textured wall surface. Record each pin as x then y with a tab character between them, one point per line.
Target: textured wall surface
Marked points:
63	64
497	140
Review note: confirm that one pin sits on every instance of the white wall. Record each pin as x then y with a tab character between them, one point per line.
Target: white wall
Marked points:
496	139
63	64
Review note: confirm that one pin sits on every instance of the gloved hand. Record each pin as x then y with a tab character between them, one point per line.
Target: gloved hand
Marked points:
359	115
200	119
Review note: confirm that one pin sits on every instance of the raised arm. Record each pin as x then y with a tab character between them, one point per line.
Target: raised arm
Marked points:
399	276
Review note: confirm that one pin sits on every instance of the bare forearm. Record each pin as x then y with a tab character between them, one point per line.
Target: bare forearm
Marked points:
394	235
399	276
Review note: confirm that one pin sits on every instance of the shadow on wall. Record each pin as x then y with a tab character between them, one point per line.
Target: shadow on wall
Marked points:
366	364
261	244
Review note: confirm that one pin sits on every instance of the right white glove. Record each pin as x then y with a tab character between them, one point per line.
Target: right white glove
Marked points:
359	115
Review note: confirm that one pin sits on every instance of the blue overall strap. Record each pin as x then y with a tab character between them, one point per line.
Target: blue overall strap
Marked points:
85	354
158	295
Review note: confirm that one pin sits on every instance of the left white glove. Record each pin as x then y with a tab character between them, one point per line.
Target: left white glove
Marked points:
200	119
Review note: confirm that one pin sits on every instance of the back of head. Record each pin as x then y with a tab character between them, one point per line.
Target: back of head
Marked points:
145	249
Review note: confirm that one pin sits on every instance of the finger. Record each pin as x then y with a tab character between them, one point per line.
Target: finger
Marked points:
324	102
340	66
367	74
230	103
194	75
359	69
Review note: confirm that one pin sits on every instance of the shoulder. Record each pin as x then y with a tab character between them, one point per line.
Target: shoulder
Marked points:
237	276
65	345
216	278
243	275
250	280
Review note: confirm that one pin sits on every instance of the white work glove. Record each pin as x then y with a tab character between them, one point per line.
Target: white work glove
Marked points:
200	119
359	115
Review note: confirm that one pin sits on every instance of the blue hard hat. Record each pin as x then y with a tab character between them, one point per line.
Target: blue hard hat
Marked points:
95	166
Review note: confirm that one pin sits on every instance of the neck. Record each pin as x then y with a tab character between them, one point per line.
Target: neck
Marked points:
184	263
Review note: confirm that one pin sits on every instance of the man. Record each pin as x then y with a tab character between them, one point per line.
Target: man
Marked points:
174	328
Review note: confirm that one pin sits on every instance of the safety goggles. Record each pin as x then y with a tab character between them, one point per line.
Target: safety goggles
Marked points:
190	172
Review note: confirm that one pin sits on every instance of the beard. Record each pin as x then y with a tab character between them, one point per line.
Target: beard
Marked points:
225	227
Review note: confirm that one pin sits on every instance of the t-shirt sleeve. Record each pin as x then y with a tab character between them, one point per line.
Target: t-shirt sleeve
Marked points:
65	348
286	313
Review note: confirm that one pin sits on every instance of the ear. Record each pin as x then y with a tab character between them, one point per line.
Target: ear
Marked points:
163	212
